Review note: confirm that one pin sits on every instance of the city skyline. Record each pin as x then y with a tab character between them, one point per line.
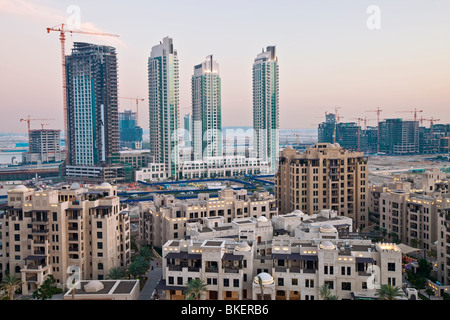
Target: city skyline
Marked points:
330	58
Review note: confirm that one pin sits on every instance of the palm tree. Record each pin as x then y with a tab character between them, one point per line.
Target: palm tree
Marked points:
195	289
388	292
325	293
261	286
10	284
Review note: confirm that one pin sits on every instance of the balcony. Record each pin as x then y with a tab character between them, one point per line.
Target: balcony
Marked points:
211	269
231	270
40	232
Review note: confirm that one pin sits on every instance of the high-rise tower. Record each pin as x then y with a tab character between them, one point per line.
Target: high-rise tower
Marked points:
206	110
92	107
163	97
266	107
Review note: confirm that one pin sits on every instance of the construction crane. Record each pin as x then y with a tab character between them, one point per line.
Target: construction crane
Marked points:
378	111
415	111
28	120
137	99
43	124
62	29
432	120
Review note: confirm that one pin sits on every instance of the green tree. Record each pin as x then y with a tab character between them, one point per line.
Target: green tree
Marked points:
325	293
195	289
138	267
429	292
10	284
424	268
47	289
116	273
388	292
146	253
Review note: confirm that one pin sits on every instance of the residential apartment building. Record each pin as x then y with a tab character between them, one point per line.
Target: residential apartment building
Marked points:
409	210
163	98
165	217
237	254
266	123
51	231
206	110
324	176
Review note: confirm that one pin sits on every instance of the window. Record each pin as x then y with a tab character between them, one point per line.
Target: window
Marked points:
180	280
236	283
346	286
391	266
170	280
226	282
99	224
330	284
99	245
17	248
100	266
281	281
99	235
294	282
16	227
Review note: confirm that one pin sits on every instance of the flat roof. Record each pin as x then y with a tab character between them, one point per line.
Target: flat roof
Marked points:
211	243
125	286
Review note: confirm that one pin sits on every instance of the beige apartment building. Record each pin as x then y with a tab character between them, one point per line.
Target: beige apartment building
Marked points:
50	231
409	209
165	217
231	257
443	242
324	176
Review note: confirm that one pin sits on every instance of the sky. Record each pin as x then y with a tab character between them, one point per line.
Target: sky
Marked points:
355	55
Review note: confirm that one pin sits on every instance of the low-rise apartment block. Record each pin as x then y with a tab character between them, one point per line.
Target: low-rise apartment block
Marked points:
231	258
50	231
165	217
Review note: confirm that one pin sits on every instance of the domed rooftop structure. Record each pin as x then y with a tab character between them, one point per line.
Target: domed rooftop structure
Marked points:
243	246
337	145
327	228
20	187
297	211
105	185
265	278
93	286
327	245
75	185
262	219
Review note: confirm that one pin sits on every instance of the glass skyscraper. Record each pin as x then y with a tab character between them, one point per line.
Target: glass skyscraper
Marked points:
206	110
163	93
266	107
92	106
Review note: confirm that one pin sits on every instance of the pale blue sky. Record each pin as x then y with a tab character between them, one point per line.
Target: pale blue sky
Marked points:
327	55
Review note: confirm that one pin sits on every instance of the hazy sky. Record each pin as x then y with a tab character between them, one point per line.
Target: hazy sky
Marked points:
328	55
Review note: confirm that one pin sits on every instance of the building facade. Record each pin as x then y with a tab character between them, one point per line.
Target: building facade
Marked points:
206	110
45	146
266	107
231	258
52	231
163	97
130	132
92	121
324	176
166	217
